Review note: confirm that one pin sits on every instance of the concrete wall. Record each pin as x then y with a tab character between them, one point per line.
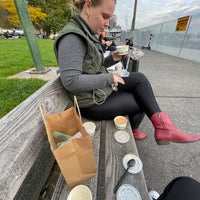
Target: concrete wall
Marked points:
184	44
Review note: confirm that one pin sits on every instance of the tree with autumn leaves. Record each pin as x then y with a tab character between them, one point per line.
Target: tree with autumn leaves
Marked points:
48	15
58	13
10	17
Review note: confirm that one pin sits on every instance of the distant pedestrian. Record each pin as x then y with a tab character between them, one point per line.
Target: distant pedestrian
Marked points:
106	43
7	35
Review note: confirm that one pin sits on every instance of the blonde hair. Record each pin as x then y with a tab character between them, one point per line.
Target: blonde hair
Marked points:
78	4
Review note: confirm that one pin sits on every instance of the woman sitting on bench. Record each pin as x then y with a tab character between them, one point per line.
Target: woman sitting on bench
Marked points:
83	73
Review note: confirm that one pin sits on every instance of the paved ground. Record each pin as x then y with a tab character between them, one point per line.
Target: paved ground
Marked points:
175	82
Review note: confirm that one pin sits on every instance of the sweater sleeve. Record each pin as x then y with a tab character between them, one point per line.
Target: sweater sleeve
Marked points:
71	52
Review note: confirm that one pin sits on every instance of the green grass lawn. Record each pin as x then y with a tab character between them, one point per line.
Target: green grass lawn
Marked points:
14	91
14	58
15	55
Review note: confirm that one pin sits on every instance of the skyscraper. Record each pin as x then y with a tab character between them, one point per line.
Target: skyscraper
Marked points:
113	22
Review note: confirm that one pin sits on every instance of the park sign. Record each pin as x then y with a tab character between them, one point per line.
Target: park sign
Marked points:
182	23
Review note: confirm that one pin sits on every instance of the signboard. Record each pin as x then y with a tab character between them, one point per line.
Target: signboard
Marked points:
182	23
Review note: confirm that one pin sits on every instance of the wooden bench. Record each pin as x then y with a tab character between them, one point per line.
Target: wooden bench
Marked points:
26	159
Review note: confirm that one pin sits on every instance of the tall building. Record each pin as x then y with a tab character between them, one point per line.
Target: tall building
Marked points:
113	22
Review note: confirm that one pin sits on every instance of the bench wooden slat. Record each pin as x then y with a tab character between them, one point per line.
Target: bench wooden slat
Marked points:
114	168
23	136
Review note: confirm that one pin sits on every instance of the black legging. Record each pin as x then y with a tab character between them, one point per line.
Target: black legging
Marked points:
133	99
181	188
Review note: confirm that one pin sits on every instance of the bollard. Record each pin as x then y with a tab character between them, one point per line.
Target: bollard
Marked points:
22	10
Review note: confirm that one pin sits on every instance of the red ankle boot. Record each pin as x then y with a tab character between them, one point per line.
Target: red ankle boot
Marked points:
166	132
138	135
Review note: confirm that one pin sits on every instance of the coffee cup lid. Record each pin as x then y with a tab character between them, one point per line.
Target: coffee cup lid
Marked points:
80	192
138	163
90	127
128	192
121	136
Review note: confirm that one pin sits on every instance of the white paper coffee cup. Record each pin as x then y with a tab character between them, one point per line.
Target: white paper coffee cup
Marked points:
90	128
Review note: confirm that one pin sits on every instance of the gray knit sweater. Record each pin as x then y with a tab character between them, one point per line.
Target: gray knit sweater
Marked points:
71	52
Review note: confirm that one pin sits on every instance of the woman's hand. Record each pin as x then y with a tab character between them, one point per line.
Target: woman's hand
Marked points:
118	79
108	43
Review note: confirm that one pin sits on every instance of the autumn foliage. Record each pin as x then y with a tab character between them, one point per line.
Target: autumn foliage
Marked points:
9	17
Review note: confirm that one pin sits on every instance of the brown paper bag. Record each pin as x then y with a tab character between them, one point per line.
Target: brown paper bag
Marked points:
76	157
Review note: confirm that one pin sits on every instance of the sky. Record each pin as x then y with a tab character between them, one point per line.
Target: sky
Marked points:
151	12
